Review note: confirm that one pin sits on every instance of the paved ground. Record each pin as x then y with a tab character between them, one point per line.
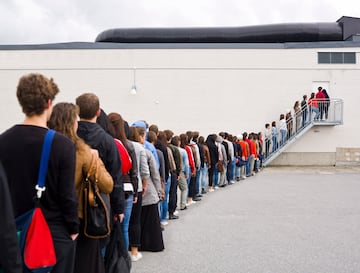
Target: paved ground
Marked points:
283	220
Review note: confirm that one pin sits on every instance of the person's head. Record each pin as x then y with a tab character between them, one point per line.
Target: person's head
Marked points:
195	135
142	134
134	134
304	97
296	104
319	88
201	140
312	95
245	135
183	140
89	106
162	137
35	93
154	128
118	125
190	135
168	134
64	119
273	124
175	140
151	137
267	126
282	116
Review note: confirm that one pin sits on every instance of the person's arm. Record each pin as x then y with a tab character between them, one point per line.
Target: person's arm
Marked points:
10	258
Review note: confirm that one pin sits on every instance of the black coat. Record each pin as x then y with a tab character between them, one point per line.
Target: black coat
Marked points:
10	259
98	139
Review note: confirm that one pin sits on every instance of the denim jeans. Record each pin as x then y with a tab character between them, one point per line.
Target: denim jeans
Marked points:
232	169
283	136
316	111
237	172
204	176
216	177
164	205
197	191
125	222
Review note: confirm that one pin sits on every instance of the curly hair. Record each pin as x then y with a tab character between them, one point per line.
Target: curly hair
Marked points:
34	92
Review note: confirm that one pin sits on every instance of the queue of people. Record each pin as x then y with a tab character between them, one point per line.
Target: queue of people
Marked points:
315	108
148	174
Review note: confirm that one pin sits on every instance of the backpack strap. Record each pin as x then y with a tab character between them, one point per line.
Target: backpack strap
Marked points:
45	154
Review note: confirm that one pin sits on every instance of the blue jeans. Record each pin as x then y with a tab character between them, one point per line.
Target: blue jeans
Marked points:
316	111
248	171
216	176
197	191
125	222
237	172
164	205
203	175
283	136
232	169
304	116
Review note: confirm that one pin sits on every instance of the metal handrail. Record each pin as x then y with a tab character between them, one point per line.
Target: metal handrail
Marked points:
329	112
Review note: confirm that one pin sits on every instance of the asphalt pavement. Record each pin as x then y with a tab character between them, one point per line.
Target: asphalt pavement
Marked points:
282	220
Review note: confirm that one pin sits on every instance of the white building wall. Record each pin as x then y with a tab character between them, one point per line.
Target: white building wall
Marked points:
209	90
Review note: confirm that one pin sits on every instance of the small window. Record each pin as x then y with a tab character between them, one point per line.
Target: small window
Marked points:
336	58
349	58
324	57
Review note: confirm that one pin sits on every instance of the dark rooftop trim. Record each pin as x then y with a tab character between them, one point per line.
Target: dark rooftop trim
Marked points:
89	45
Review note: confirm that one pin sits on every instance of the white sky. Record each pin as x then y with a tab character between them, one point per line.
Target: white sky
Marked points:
54	21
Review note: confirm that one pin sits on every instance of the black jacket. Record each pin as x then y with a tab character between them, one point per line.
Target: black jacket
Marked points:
98	139
10	259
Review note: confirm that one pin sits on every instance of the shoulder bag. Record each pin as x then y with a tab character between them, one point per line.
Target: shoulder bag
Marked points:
36	243
96	206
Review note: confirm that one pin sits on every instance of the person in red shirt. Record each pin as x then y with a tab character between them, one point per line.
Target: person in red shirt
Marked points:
320	97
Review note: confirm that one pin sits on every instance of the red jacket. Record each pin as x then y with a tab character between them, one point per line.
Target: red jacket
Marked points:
191	158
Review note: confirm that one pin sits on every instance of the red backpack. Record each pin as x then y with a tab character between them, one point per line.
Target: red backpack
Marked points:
126	163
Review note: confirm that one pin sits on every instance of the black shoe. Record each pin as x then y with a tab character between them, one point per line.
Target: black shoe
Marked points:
199	195
196	199
184	208
203	191
173	217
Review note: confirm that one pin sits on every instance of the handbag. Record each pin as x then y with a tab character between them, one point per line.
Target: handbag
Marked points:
35	239
96	206
117	258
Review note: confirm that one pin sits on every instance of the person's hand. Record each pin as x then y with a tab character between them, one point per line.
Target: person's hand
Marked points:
74	236
119	217
135	199
144	189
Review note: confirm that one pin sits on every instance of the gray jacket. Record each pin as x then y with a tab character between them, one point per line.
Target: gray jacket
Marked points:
153	191
142	165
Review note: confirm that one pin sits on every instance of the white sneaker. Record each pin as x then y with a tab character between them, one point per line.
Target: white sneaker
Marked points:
176	212
164	223
136	257
211	190
216	187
